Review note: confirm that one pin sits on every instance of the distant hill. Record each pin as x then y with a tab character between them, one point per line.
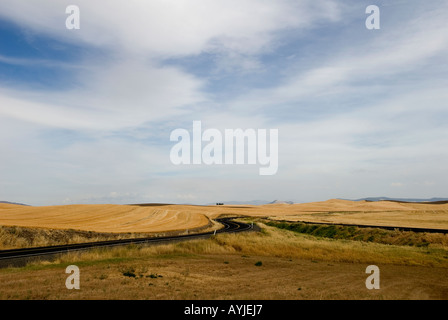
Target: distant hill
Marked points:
253	202
7	202
281	202
401	199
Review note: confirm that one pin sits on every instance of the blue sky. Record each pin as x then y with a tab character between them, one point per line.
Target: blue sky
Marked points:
86	115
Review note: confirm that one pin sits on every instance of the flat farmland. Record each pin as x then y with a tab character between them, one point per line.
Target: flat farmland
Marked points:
272	264
163	218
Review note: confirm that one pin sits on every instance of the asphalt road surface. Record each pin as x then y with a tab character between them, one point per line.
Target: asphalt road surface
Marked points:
19	257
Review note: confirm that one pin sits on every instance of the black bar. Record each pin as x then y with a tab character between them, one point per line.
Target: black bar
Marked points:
229	309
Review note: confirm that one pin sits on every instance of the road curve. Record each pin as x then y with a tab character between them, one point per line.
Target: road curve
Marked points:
8	257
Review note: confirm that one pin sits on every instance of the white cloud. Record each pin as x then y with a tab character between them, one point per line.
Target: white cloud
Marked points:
173	27
386	60
128	86
391	131
113	96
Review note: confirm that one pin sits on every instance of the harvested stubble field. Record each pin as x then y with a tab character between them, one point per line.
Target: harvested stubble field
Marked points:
275	264
381	213
102	218
162	217
24	226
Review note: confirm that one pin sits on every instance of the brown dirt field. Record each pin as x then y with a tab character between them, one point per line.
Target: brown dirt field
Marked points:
225	277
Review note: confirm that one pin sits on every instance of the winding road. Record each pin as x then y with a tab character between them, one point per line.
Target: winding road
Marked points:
21	256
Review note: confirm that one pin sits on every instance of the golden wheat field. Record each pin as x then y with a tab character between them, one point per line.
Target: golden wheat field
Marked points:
272	264
102	218
382	213
163	218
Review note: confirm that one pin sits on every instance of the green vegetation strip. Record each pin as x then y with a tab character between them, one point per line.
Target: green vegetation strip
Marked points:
378	235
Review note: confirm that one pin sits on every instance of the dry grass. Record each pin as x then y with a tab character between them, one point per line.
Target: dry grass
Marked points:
224	277
22	237
378	235
12	237
273	242
382	213
161	218
437	219
294	266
